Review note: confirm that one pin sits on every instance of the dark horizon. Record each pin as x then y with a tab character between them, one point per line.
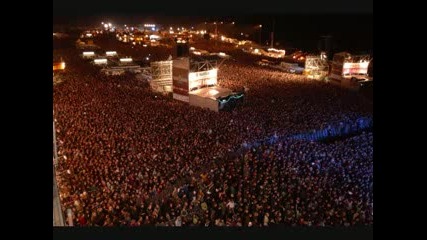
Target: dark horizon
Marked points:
352	32
219	7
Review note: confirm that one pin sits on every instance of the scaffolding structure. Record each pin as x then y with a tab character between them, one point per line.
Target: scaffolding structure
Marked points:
356	58
145	74
161	76
203	65
316	67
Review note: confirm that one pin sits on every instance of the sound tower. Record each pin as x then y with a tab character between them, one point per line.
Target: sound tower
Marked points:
182	49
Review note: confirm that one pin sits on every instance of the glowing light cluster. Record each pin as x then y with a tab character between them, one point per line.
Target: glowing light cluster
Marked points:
88	54
154	36
111	53
100	61
276	50
59	66
125	59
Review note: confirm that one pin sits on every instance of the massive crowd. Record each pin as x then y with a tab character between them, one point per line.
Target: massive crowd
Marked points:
132	157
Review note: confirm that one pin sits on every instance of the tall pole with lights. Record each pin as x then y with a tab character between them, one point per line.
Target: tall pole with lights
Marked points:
272	35
216	33
55	151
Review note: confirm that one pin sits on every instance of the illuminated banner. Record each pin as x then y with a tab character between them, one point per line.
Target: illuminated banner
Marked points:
355	68
180	78
201	79
180	72
180	83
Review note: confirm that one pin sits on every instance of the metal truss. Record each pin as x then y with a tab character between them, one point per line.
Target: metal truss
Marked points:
206	65
358	58
315	67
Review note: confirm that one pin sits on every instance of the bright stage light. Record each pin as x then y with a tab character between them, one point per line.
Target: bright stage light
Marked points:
125	59
88	53
100	61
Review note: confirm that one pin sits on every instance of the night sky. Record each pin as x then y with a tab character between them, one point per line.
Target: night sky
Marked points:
217	7
298	23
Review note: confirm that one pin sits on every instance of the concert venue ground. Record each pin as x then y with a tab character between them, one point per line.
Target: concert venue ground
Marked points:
131	157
